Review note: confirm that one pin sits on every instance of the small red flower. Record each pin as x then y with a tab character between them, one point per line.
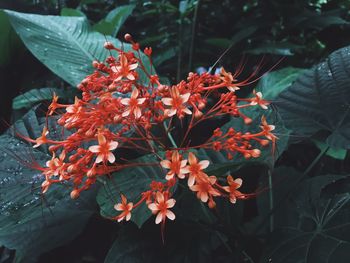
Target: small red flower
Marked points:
133	104
232	187
177	102
204	188
103	149
125	207
176	166
194	169
42	139
161	208
258	100
124	70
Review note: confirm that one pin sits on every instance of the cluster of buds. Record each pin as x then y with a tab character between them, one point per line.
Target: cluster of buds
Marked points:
119	111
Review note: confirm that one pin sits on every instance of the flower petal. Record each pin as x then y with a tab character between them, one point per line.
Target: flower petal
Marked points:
112	145
170	215
99	158
94	148
125	101
167	101
111	157
165	163
170	203
159	218
185	97
204	164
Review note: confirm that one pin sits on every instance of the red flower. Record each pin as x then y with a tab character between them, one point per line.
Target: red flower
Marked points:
125	207
124	70
161	208
176	166
232	189
177	102
194	168
133	104
103	149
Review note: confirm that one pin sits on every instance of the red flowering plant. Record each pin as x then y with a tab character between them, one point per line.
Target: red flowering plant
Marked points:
117	112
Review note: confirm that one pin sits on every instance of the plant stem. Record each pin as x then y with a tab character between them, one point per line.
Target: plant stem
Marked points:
271	200
173	143
194	25
179	55
301	178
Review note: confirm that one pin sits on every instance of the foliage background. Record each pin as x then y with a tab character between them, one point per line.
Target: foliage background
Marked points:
308	224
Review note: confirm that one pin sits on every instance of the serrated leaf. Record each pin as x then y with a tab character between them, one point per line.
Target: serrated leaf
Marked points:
66	45
131	182
29	222
318	101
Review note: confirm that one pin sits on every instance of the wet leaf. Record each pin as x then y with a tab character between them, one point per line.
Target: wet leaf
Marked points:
30	222
66	45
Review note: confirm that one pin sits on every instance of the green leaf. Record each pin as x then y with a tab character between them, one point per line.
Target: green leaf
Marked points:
281	48
66	45
184	243
273	83
71	12
239	36
30	222
31	97
114	20
318	101
314	228
131	182
335	153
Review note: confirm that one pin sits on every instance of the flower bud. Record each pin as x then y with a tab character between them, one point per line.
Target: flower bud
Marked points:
75	194
128	37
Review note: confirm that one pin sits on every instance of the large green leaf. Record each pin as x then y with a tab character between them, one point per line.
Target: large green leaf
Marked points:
183	243
318	101
312	227
112	23
273	83
30	222
131	182
66	45
34	96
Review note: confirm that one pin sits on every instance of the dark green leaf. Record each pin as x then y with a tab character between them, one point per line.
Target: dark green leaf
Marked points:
183	244
71	12
30	222
312	228
114	20
335	153
318	101
273	83
31	97
131	182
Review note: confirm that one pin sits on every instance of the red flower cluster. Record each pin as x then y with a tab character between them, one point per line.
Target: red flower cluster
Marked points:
115	103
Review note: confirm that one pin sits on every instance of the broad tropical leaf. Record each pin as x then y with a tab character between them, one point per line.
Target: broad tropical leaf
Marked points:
130	182
318	101
312	227
30	222
66	45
